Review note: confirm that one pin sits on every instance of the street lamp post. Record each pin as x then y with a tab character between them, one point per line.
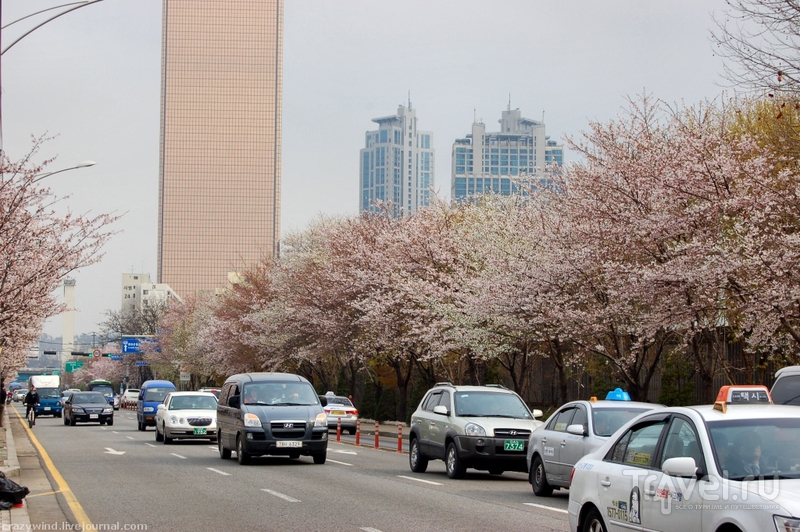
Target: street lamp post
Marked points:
84	164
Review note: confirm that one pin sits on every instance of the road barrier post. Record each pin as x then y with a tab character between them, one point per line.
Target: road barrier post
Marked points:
358	432
339	430
377	435
400	437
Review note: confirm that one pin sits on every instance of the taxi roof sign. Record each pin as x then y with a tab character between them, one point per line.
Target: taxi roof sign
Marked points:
741	394
618	395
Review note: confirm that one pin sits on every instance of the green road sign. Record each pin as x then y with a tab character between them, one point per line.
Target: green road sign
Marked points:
73	365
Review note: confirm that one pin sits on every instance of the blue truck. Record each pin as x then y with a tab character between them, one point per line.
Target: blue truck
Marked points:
49	389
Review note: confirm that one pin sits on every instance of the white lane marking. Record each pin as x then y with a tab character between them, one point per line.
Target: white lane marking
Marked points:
368	529
130	437
179	456
213	447
559	510
103	428
115	431
149	444
345	452
218	471
109	450
420	480
280	495
340	463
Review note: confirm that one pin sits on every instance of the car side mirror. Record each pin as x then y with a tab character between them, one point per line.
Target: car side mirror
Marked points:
234	401
323	400
162	406
537	413
577	429
441	409
681	466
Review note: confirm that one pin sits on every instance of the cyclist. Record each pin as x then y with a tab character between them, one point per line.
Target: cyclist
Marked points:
30	401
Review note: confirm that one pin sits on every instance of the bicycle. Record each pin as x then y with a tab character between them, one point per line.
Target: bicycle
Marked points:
32	417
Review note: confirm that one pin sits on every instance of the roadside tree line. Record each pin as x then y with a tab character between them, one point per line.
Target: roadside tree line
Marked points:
675	228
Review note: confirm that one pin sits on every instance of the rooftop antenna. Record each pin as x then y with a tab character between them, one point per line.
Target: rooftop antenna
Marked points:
542	116
509	101
409	99
474	115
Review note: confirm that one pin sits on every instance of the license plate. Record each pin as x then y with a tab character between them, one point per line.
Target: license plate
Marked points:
337	412
289	444
514	445
198	431
93	416
47	408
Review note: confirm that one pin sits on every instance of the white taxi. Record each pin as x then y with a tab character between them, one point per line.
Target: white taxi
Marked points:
341	408
734	465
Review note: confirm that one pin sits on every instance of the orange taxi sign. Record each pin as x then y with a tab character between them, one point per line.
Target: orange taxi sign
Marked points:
742	394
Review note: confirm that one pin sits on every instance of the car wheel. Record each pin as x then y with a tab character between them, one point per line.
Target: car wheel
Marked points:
496	471
453	463
416	461
159	436
242	457
539	479
224	453
141	425
66	421
351	431
72	422
102	421
319	458
594	522
110	421
165	436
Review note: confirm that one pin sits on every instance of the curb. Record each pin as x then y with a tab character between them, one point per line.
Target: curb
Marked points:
16	516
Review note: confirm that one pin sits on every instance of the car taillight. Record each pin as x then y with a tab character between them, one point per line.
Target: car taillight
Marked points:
570	476
355	412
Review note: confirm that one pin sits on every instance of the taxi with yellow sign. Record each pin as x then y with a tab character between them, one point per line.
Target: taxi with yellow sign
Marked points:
732	466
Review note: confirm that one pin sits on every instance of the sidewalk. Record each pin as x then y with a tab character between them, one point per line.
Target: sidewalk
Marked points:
15	518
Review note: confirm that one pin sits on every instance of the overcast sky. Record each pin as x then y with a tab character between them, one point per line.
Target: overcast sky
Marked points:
92	79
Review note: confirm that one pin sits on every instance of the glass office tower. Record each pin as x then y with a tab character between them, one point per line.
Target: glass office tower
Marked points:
219	175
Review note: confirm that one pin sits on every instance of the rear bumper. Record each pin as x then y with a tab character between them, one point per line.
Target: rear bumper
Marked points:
256	444
488	453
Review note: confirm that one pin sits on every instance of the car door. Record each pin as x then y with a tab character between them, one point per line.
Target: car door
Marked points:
442	424
422	421
631	458
671	502
225	416
572	446
552	440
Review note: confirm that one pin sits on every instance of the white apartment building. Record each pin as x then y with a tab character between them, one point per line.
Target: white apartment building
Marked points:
138	292
397	164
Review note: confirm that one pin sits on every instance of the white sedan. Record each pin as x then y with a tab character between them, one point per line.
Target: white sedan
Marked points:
187	415
733	466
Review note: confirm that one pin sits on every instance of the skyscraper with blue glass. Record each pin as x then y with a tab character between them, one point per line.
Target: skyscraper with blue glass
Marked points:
397	164
497	162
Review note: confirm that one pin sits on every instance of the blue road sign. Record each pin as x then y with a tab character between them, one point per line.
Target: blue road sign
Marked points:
130	345
115	357
141	363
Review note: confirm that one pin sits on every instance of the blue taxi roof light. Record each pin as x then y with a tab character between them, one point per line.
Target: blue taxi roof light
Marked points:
618	395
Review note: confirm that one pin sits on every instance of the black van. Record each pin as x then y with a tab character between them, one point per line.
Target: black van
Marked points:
271	413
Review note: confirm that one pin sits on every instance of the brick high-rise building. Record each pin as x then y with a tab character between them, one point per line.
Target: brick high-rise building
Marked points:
219	168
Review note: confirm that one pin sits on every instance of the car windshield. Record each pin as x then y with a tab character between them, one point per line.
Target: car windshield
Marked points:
156	394
491	404
787	390
606	421
83	398
343	401
105	390
279	393
757	447
193	402
49	393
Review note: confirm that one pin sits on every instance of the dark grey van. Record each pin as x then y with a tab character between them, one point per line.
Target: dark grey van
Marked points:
271	413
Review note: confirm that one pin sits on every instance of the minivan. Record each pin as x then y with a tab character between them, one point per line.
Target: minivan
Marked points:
786	389
151	394
271	414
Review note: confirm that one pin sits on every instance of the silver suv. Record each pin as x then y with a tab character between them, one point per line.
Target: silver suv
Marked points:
480	427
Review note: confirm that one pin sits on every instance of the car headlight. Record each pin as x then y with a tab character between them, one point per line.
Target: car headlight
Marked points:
77	409
175	420
251	420
473	429
58	403
108	410
147	409
786	524
321	420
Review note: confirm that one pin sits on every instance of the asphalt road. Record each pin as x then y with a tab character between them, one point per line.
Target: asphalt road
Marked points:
121	475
